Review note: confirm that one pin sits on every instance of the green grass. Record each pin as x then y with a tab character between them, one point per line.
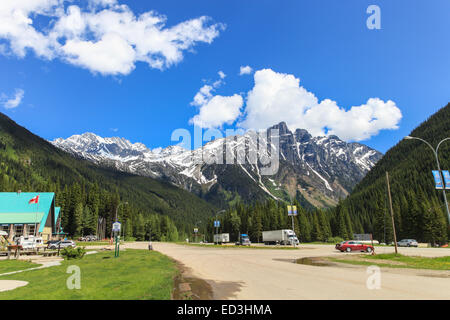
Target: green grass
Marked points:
15	265
136	275
237	247
96	243
93	243
393	260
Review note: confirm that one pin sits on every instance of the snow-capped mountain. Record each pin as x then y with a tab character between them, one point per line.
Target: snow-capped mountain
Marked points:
316	170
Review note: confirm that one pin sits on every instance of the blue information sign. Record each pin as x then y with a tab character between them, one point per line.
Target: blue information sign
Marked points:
446	175
217	224
438	179
292	210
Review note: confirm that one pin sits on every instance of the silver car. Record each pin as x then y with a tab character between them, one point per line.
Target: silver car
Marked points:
407	243
62	244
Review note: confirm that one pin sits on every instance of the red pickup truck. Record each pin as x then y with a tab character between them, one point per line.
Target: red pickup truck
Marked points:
351	245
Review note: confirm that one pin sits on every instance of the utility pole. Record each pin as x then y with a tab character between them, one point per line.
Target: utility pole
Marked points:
392	212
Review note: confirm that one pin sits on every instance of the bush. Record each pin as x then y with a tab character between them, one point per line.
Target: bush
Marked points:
335	240
70	253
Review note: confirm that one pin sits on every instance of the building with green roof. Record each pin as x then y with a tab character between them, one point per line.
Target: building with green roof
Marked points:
19	217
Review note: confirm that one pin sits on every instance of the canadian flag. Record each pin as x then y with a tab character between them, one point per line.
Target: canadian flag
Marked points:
34	200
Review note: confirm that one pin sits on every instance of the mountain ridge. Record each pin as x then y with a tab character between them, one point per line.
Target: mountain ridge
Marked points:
327	164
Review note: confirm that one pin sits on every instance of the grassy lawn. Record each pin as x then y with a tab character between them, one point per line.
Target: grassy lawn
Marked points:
237	247
136	274
97	243
15	265
93	243
393	260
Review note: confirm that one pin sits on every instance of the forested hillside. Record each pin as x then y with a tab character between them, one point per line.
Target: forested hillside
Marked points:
419	209
86	192
309	225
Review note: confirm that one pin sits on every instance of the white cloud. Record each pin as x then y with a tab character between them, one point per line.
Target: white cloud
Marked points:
215	110
245	70
86	37
202	96
11	103
218	110
278	97
221	74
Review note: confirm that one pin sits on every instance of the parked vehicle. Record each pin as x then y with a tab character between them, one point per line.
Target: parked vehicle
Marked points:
222	238
91	238
30	242
88	238
339	244
407	243
284	237
243	240
351	245
49	242
62	244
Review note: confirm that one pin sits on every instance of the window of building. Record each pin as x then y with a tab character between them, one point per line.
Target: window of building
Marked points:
18	230
31	229
5	227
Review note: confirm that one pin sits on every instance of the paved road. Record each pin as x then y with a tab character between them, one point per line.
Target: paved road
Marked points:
271	274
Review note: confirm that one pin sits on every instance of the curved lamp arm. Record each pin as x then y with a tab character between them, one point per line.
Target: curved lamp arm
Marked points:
437	148
428	144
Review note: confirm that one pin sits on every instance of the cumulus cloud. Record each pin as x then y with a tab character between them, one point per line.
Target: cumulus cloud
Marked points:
218	110
215	110
245	70
221	74
85	37
278	97
12	102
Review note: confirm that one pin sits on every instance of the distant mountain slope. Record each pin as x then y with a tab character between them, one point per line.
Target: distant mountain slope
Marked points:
318	171
419	207
28	162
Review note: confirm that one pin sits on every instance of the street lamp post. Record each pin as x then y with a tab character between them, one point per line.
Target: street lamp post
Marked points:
435	151
117	208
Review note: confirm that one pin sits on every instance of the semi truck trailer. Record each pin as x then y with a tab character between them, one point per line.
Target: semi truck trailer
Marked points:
284	237
222	238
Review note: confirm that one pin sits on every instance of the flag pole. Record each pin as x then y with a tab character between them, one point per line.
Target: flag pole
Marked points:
35	221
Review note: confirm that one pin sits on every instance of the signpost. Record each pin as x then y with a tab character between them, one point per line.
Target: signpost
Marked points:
217	225
195	234
116	230
292	211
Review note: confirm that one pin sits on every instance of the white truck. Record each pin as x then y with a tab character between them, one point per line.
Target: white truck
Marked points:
30	242
284	236
221	238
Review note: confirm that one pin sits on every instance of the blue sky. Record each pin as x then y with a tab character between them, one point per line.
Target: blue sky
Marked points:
326	44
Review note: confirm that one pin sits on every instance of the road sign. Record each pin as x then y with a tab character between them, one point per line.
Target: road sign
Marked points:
116	226
216	224
438	179
446	175
195	230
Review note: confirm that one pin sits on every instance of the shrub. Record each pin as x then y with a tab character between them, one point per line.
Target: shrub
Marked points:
70	253
335	240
